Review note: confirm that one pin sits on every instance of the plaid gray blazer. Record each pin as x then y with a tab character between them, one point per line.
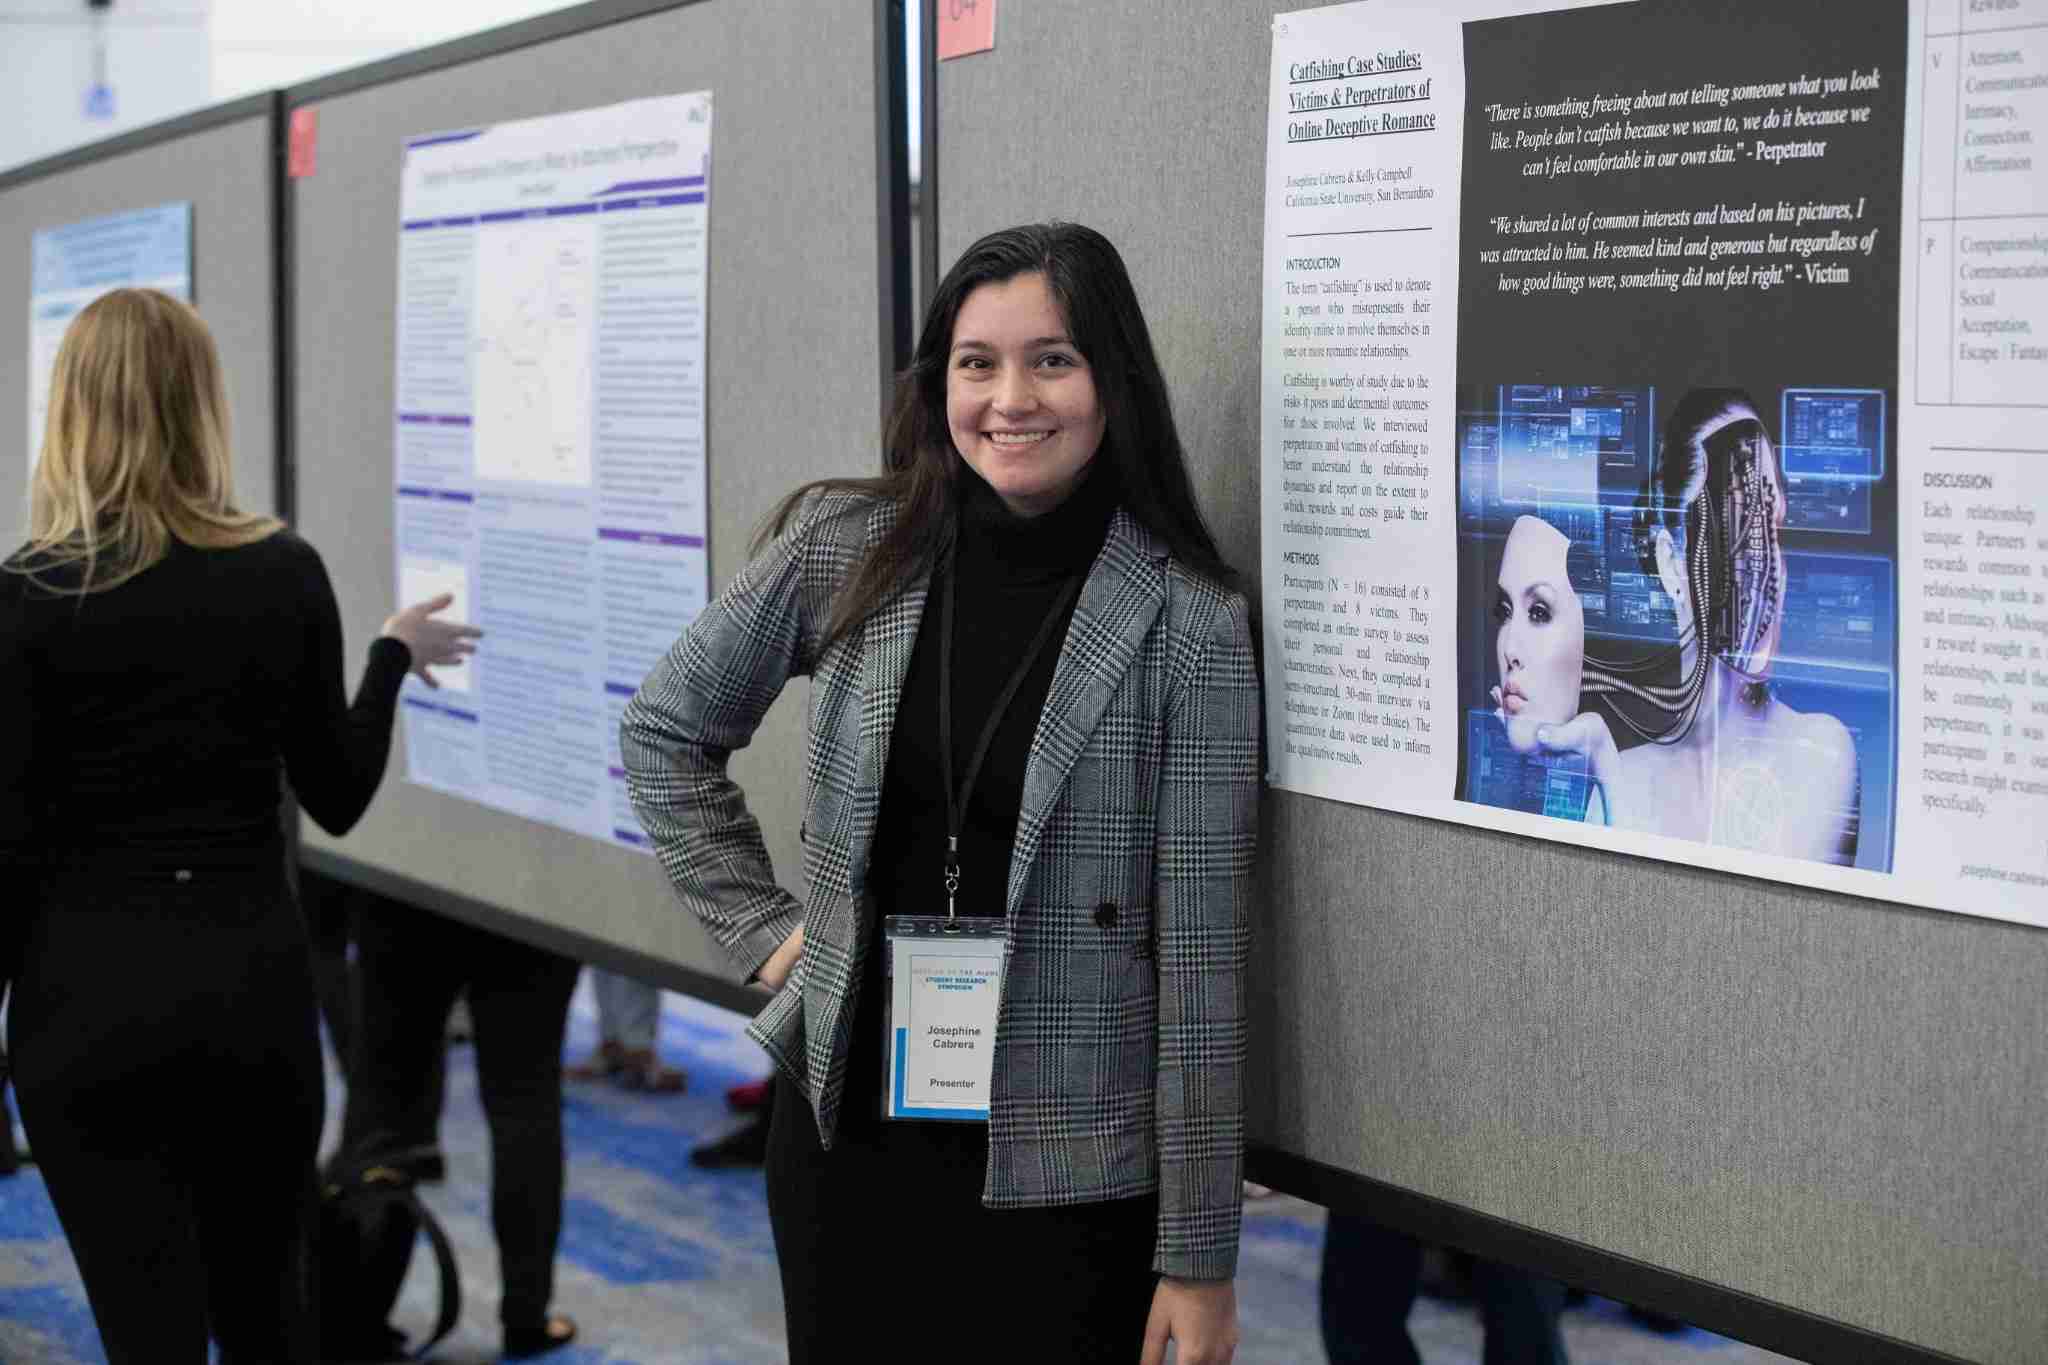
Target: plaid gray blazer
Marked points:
1119	1050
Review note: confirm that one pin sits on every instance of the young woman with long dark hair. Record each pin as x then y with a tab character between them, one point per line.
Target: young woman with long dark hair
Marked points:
1033	724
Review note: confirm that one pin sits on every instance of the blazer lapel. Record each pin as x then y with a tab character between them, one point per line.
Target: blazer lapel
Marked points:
887	641
1123	595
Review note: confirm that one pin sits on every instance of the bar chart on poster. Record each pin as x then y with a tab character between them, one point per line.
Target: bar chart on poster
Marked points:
549	438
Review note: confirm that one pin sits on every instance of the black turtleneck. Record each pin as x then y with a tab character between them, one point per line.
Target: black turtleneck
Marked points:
1009	573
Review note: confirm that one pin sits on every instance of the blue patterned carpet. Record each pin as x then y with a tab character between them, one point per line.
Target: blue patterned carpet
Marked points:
664	1264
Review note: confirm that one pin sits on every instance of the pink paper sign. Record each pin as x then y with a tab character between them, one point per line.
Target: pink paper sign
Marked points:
966	26
304	141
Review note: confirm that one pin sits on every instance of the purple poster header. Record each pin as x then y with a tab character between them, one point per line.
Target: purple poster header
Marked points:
687	182
651	538
435	139
549	211
656	201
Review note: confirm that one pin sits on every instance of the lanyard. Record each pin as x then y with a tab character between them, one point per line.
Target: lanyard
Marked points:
956	802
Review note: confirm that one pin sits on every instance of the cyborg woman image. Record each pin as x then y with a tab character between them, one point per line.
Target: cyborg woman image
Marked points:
1716	758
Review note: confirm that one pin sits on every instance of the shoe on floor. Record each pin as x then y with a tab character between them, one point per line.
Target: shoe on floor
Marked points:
523	1343
746	1146
640	1069
599	1065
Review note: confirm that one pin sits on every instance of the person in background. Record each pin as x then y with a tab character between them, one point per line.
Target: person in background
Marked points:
11	1158
167	660
1370	1277
746	1145
1034	700
412	965
333	911
628	1017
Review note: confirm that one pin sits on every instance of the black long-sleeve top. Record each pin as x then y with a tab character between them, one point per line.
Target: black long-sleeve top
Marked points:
1009	572
154	721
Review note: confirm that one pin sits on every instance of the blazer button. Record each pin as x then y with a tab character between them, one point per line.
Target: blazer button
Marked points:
1105	914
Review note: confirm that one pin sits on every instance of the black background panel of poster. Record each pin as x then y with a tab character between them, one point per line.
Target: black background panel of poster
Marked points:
1671	217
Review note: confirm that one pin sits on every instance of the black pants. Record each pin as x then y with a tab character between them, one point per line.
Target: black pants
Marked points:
887	1253
168	1066
333	910
330	908
1370	1277
412	964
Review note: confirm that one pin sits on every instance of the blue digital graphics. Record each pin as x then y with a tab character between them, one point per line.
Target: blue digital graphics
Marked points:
1496	775
1863	702
1572	443
1478	467
1582	459
1831	451
1839	611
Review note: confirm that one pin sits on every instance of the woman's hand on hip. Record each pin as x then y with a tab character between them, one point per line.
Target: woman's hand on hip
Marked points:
1198	1316
433	643
776	969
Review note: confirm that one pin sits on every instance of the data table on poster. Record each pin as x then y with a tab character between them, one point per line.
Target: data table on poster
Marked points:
1983	241
549	439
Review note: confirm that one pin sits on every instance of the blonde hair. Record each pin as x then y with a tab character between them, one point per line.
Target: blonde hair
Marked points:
135	450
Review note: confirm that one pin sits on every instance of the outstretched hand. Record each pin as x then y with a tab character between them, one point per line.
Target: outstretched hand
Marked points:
434	643
1198	1316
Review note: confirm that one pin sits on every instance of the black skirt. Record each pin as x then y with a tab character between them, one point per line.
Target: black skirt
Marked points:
886	1250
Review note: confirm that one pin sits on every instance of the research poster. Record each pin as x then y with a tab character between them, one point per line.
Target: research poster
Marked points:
72	265
1652	431
549	441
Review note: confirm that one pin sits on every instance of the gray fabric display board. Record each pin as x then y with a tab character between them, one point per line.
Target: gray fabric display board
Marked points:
220	161
793	367
1814	1121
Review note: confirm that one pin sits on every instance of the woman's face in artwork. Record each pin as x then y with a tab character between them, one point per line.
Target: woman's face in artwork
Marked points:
1540	642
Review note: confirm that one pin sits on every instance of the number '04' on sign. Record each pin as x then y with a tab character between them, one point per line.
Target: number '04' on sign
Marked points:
966	26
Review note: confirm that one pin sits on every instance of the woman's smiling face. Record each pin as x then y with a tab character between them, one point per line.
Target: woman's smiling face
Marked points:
1020	399
1540	644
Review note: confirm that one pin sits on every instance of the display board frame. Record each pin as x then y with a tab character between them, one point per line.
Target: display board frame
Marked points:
1421	1032
702	971
266	107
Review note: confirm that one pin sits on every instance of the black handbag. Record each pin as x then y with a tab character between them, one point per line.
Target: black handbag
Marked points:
370	1217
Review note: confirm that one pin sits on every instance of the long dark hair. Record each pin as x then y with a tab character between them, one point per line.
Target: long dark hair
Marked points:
920	467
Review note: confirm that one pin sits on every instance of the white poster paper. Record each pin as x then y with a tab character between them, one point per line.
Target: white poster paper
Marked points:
549	440
1651	453
70	266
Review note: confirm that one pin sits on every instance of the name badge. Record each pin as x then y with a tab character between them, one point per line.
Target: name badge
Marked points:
944	986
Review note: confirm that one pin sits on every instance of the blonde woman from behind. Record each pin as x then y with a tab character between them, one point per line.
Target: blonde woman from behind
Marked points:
167	662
